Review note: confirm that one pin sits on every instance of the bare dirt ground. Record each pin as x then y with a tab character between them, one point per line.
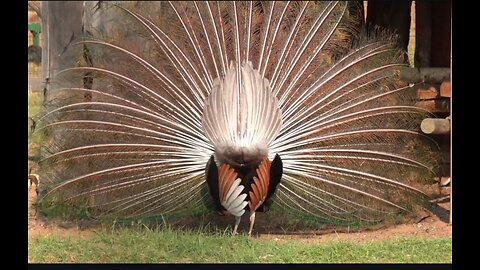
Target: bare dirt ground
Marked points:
429	225
38	226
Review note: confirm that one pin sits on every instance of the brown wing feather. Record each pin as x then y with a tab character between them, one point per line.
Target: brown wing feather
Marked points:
222	180
225	180
255	191
253	199
264	174
260	185
221	177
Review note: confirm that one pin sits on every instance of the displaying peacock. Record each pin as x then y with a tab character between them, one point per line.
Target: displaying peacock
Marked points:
236	107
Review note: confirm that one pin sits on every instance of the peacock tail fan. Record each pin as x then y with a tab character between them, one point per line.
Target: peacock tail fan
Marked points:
123	131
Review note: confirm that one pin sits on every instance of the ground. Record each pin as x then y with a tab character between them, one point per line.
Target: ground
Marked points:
430	225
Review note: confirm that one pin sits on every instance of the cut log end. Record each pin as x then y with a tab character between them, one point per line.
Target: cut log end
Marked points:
435	126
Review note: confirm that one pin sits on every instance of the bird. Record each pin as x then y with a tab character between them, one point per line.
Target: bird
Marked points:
237	107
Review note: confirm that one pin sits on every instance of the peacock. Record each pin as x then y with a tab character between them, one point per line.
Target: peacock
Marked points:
236	107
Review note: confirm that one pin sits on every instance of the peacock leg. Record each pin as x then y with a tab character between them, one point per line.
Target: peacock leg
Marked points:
252	221
237	221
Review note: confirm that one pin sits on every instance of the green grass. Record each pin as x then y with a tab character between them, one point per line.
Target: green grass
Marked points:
134	245
34	69
34	104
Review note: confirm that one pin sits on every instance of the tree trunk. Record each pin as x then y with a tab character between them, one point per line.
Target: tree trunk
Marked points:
61	25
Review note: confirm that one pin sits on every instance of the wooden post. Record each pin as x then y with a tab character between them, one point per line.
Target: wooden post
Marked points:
441	33
423	33
433	38
429	75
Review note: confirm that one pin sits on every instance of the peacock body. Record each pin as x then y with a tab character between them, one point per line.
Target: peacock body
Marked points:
236	107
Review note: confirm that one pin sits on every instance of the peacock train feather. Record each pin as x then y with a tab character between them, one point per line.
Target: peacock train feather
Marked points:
184	92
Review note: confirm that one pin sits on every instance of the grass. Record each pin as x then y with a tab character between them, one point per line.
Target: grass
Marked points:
34	70
34	105
135	245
